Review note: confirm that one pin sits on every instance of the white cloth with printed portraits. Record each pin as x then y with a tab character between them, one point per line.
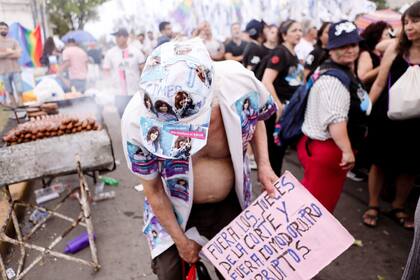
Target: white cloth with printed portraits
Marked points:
181	81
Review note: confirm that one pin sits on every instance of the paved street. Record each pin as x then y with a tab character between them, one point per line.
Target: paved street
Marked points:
124	255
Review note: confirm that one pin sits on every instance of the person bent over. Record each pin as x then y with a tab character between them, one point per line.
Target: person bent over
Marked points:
207	184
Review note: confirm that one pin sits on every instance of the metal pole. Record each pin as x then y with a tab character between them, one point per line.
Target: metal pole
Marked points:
34	8
43	20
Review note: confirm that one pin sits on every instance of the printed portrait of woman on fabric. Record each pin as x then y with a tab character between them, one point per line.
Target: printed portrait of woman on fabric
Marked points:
184	106
152	139
181	148
164	111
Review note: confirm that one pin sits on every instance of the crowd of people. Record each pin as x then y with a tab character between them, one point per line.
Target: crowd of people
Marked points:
346	77
239	89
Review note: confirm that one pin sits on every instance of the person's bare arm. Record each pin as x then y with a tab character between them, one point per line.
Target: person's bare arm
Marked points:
384	68
383	45
17	51
268	79
340	136
63	66
230	56
266	175
306	73
163	209
365	70
6	53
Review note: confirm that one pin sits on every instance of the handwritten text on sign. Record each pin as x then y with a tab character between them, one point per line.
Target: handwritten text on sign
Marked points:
288	236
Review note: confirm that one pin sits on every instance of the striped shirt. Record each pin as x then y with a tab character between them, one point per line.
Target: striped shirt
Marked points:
328	103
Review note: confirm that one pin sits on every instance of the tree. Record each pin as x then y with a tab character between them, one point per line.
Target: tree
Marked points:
71	14
381	4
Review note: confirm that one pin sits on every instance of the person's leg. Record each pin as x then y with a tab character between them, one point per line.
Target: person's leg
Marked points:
276	153
82	85
323	176
375	183
79	85
17	82
404	184
304	158
9	88
168	265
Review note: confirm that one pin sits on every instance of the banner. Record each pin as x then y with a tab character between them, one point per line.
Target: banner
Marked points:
288	236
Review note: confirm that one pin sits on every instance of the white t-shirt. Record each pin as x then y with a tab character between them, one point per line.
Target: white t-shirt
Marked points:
303	49
148	46
124	67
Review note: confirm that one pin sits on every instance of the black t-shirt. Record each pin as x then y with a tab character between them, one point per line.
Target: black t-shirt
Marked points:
253	54
234	49
315	58
290	75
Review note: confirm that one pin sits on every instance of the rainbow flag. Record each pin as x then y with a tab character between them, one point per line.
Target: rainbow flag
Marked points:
182	12
31	43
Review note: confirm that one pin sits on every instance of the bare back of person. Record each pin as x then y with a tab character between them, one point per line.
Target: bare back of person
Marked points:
213	169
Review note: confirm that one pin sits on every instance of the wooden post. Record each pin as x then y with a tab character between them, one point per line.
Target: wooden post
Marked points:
17	230
84	203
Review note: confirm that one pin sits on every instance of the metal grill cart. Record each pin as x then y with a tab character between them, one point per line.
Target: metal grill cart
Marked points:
80	153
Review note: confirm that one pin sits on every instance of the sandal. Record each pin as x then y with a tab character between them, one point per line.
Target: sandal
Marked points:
369	219
401	217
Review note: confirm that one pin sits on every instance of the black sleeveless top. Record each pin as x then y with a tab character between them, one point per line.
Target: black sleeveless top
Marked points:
394	144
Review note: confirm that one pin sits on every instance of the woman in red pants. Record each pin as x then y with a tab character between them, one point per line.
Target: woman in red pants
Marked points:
334	117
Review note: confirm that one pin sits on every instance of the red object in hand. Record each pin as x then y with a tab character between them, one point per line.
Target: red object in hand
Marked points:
192	274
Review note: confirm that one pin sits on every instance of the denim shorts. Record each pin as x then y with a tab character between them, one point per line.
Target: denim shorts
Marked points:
12	80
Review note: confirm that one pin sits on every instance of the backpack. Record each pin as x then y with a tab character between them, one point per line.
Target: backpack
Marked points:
291	121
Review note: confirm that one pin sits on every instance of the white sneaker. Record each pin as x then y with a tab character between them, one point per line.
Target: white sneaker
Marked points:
353	176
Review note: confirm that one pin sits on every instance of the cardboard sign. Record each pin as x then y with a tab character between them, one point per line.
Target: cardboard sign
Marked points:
288	236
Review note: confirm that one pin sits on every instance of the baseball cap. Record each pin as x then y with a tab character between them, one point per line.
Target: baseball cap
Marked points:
342	33
176	92
254	27
121	32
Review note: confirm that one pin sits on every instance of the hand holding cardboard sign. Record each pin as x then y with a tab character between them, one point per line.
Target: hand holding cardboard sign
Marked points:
267	178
